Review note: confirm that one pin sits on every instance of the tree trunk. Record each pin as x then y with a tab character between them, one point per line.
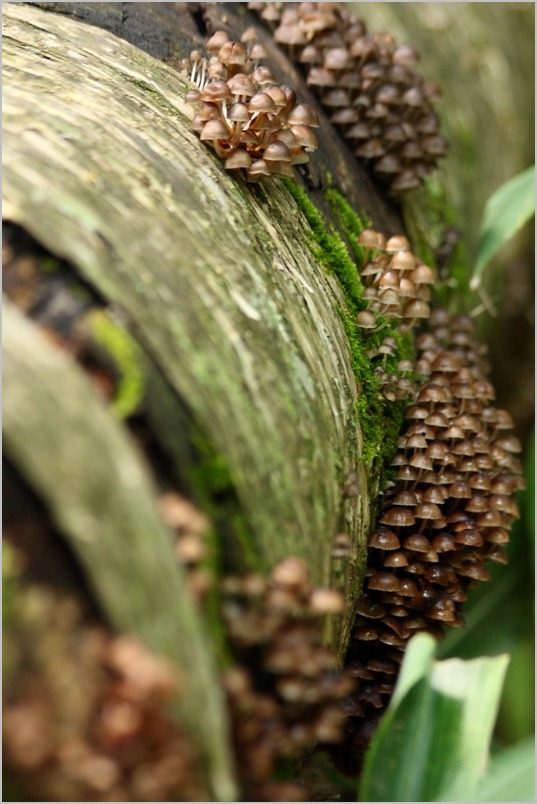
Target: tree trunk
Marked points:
237	326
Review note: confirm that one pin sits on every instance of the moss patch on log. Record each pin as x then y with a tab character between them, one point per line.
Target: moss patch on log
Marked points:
379	420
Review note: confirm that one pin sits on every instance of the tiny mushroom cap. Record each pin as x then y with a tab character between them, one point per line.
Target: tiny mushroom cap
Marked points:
217	40
369	238
370	608
239	159
405	55
193	97
397	243
290	35
406	180
384	582
216	91
241	85
326	601
396	559
388	164
443	542
238	112
257	169
261	102
305	137
383	539
214	130
277	152
405	498
233	53
398	517
417	543
292	572
263	77
365	633
428	510
366	320
416	308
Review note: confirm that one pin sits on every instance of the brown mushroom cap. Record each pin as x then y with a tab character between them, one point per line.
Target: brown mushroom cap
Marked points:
383	539
384	582
398	517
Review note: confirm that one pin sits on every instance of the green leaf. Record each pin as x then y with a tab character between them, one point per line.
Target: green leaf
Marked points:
506	211
437	729
511	776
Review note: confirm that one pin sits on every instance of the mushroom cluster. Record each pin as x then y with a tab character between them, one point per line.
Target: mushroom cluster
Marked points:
367	85
397	285
448	512
93	726
397	288
287	692
249	121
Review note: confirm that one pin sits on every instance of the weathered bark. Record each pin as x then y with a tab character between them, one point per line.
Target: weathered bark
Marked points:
218	282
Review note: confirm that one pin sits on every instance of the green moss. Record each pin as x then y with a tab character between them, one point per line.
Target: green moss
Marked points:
380	420
352	224
123	349
329	248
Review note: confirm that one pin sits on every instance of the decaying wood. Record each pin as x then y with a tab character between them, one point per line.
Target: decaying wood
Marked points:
218	282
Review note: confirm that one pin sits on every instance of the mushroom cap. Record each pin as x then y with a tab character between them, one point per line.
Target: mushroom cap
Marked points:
259	168
497	536
416	308
277	152
239	159
417	543
405	498
216	41
292	572
241	85
443	543
291	35
428	511
395	559
365	633
470	537
398	517
406	180
370	149
238	112
366	320
383	539
216	91
383	582
321	77
422	275
303	115
214	130
305	137
261	102
370	608
233	53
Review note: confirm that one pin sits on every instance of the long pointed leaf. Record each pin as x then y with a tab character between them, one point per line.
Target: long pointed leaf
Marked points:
436	734
506	211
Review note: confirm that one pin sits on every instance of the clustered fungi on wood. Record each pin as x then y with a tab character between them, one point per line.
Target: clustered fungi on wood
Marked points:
448	511
286	691
250	121
367	85
397	287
